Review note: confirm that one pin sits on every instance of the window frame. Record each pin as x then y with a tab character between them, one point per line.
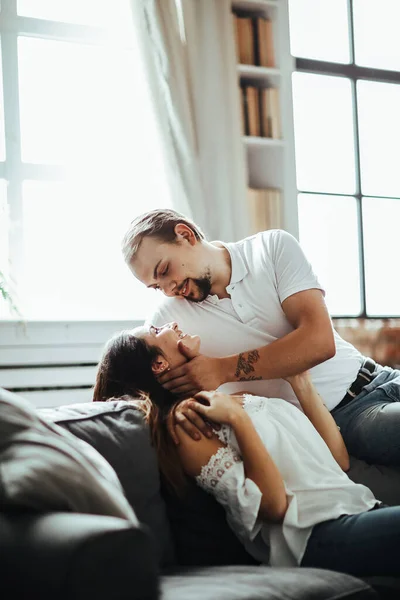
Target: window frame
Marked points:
354	73
17	333
12	169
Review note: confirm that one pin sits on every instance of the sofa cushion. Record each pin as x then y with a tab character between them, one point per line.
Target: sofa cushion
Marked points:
201	533
259	583
117	430
67	556
44	467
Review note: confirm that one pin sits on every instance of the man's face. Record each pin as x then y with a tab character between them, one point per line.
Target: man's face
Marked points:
174	268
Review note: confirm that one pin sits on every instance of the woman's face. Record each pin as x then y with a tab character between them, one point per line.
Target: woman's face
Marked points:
166	338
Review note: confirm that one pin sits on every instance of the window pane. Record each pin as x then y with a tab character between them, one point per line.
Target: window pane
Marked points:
4	226
323	128
376	33
381	217
379	124
89	110
2	132
73	265
319	30
4	249
328	234
83	12
79	103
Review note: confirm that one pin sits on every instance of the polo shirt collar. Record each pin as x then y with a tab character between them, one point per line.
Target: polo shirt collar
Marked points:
239	268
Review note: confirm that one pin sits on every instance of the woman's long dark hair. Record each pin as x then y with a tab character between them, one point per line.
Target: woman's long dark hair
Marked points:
125	370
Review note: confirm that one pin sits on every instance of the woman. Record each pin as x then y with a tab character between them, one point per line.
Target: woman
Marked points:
278	472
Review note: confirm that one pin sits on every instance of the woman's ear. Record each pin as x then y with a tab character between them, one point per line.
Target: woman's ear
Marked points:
159	365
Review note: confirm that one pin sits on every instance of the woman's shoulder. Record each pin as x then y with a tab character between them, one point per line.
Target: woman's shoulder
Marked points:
194	454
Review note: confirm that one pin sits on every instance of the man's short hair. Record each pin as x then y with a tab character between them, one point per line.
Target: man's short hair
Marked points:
158	223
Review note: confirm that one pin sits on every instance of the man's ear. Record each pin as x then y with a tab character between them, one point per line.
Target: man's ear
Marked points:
183	232
159	365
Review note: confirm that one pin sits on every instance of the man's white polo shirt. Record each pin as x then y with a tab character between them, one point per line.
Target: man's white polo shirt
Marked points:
267	268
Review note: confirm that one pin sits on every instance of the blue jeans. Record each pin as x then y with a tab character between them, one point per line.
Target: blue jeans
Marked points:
367	544
370	423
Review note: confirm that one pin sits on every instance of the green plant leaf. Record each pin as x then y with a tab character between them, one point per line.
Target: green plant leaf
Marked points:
7	296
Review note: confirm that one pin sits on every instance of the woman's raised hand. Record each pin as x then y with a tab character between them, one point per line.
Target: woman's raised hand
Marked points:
191	422
299	379
196	414
217	407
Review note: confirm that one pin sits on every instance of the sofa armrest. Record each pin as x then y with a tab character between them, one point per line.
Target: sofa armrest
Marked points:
74	556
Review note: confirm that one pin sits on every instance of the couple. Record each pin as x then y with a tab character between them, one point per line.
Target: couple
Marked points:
262	316
278	472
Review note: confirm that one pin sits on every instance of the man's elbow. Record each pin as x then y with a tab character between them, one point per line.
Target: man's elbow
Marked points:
326	348
328	352
321	341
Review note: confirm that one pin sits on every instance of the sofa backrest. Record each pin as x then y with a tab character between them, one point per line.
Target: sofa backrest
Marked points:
117	431
191	530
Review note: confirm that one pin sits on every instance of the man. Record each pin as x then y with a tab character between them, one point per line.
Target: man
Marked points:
261	315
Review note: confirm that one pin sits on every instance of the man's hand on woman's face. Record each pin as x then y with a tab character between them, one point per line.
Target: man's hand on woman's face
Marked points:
198	374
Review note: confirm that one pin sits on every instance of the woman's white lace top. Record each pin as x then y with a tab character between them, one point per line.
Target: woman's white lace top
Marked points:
316	487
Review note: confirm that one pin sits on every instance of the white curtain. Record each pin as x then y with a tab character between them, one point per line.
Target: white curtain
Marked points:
189	51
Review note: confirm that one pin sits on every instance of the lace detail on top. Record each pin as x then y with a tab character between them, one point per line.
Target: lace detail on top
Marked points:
219	463
253	403
223	433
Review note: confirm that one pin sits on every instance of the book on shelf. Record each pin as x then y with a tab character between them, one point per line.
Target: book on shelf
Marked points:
243	110
265	209
254	41
265	54
260	112
244	39
253	112
270	113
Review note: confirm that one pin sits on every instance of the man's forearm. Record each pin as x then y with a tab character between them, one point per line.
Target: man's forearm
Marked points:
292	354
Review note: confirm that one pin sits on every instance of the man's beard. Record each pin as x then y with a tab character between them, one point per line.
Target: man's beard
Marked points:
203	285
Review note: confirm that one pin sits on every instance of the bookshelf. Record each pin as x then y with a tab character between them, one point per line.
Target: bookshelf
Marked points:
260	142
253	74
270	159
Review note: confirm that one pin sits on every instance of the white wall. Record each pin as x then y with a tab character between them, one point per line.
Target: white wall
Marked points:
53	363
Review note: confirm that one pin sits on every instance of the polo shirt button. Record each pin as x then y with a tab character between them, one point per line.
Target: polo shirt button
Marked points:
240	305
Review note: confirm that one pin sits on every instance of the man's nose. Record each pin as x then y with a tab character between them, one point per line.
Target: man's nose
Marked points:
169	288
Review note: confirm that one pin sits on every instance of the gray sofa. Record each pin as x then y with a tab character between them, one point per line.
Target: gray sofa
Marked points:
182	549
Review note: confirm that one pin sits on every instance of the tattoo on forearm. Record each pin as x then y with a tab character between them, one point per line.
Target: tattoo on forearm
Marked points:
245	367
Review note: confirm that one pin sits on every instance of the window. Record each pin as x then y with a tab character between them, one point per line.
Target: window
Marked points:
346	98
80	157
